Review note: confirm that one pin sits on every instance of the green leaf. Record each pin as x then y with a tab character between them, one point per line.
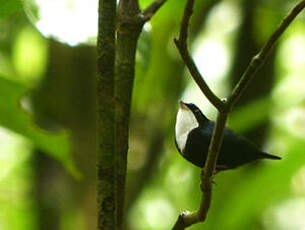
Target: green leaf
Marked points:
8	7
14	118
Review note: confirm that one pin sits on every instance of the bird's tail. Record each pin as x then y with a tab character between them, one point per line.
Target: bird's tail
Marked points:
269	156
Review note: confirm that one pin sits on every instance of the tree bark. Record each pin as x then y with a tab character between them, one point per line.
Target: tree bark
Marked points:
106	122
128	31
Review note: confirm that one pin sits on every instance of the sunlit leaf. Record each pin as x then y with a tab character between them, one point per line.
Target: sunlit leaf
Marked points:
29	55
13	117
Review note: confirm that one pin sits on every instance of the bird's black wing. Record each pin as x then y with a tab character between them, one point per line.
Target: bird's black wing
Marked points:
237	150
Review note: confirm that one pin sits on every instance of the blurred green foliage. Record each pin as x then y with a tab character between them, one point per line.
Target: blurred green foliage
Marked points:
160	183
13	117
10	7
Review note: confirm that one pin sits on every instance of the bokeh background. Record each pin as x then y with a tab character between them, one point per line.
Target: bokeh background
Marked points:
47	116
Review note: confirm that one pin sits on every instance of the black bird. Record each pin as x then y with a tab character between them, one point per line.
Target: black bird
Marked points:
193	133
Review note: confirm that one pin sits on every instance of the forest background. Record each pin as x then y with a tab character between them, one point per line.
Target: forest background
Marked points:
48	116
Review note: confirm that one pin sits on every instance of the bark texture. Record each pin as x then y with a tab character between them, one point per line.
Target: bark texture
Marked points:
106	121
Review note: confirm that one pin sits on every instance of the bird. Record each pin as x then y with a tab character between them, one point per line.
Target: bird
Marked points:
193	132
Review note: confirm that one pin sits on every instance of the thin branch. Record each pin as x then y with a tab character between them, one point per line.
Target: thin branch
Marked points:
181	44
258	60
186	218
152	9
209	167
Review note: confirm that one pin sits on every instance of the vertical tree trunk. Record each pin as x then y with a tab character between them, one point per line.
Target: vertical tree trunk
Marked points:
127	37
106	123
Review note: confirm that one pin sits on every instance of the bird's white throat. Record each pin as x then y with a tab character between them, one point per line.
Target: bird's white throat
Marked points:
185	122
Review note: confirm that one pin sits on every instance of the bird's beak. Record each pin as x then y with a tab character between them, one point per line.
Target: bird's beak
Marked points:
182	105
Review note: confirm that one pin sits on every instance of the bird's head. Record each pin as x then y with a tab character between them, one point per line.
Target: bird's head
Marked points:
188	118
192	113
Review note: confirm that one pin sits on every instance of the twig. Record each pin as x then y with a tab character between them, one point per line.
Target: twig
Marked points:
209	168
181	44
260	58
186	218
152	9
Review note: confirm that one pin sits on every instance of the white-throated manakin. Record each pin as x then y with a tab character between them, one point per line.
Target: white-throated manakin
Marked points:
193	132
